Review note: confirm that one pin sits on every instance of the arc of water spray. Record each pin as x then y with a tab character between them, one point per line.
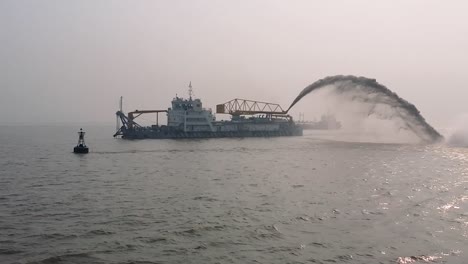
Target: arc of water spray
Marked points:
349	83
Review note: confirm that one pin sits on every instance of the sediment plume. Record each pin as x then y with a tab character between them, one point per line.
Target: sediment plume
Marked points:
457	135
369	91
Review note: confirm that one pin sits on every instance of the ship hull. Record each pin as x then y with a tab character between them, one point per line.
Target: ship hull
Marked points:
231	134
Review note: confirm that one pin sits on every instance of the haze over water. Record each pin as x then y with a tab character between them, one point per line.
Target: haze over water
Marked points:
326	197
259	200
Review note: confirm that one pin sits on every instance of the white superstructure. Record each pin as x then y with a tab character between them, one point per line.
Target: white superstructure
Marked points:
189	115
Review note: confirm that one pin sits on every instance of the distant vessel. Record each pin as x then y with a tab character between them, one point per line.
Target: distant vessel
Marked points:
188	119
326	122
81	146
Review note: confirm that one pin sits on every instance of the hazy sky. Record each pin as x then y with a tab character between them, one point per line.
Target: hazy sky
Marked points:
70	61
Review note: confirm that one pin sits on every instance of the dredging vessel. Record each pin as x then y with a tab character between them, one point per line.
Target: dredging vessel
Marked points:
326	122
186	118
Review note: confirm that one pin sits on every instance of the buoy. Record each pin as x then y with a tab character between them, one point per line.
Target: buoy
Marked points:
81	147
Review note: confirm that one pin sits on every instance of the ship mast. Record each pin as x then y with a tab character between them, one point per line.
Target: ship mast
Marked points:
190	91
117	127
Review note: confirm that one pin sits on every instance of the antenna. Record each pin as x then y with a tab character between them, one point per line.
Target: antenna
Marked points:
190	91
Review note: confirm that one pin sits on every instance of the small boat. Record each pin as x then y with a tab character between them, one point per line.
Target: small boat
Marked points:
81	147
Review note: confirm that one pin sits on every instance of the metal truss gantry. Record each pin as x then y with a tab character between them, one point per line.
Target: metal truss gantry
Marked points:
248	107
